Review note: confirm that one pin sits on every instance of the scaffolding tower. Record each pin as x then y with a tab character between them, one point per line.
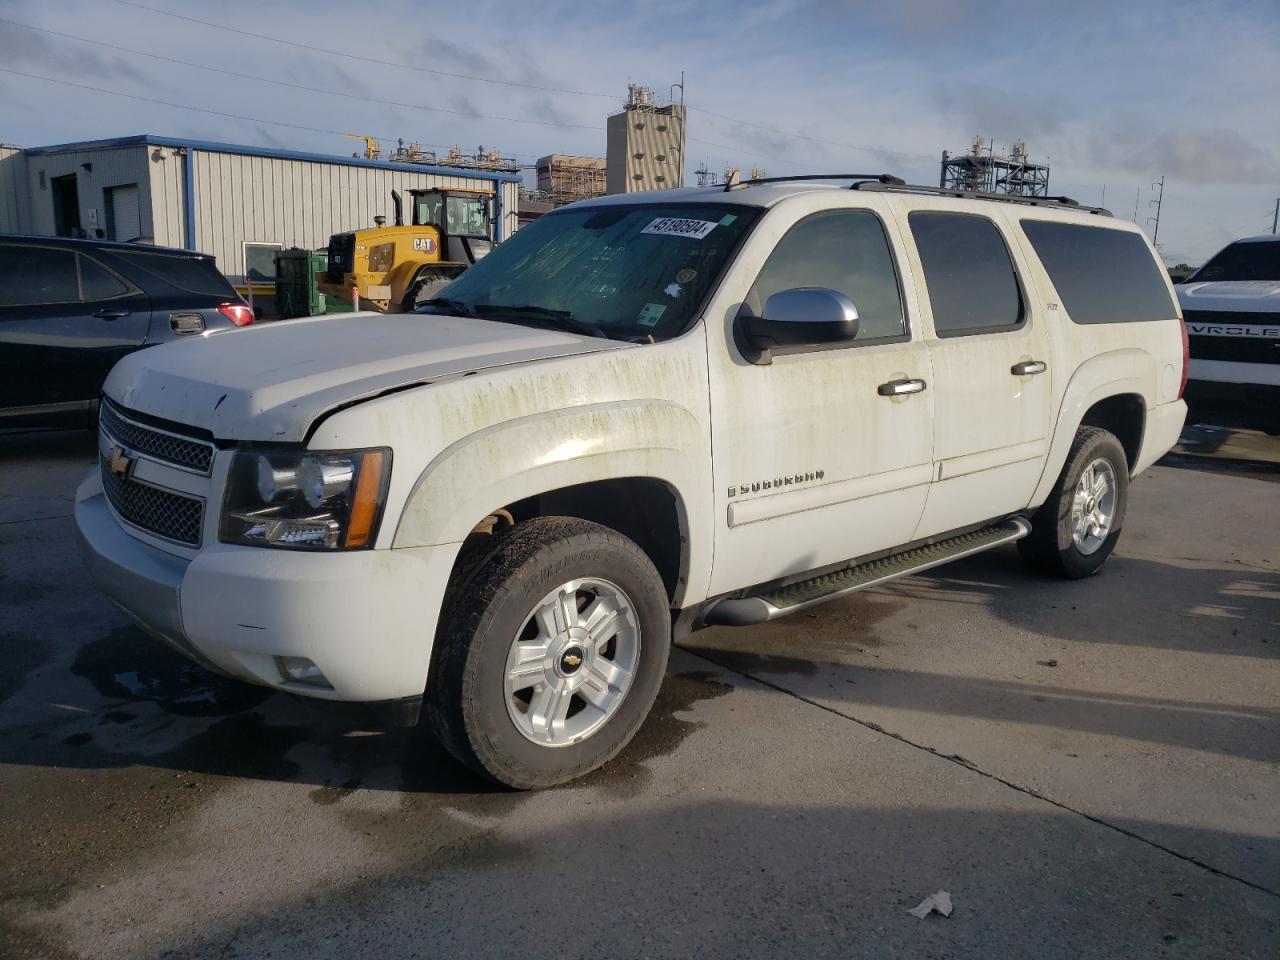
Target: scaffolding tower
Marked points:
981	169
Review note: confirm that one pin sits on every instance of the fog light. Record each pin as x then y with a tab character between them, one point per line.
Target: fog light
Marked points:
302	670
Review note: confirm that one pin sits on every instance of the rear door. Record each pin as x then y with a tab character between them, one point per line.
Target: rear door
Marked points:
65	319
990	356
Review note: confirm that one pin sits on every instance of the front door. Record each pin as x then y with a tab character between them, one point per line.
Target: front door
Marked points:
990	354
815	460
64	322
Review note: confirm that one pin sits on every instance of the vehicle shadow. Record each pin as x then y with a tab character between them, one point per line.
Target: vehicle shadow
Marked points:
833	652
154	708
1215	610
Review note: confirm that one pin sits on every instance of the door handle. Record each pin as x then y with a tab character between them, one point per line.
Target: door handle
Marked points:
1028	368
110	313
900	388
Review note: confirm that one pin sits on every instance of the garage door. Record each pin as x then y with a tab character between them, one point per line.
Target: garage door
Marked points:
125	220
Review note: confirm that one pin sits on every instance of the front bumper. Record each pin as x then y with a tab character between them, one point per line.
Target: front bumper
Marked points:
367	619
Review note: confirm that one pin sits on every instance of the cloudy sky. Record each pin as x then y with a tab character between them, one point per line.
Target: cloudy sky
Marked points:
1113	95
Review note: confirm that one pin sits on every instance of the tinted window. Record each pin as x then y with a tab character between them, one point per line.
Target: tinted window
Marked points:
193	274
1243	260
96	283
967	269
1102	275
34	275
846	251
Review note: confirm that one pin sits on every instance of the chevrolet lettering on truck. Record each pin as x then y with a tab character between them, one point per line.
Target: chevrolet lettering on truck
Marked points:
639	416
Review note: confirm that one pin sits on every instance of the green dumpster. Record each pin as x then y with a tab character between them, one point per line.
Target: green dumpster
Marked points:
296	291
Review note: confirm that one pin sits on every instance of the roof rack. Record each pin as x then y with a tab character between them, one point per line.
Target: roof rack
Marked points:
884	178
901	187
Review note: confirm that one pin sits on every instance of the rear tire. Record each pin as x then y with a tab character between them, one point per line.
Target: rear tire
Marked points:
550	653
1076	530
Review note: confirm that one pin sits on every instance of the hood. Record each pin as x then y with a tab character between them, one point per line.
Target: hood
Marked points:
1237	295
271	381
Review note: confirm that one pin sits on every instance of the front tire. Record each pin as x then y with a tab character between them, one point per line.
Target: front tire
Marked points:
550	653
1076	530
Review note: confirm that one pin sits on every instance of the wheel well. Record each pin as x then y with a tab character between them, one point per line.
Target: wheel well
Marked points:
1123	415
642	509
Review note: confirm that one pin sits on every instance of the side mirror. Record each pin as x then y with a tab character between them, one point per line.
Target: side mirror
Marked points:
795	319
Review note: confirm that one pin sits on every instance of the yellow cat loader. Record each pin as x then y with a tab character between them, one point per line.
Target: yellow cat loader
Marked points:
393	268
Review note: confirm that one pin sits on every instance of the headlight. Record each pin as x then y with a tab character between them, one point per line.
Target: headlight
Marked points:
304	500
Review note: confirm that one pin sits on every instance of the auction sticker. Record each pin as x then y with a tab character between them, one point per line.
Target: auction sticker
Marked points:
680	227
650	314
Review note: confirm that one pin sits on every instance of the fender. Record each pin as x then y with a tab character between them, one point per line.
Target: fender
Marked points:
521	458
401	276
1105	375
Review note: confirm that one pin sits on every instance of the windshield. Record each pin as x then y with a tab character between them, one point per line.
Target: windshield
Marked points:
468	216
1249	260
634	272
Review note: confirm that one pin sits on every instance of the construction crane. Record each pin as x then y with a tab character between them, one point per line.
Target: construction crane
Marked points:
372	149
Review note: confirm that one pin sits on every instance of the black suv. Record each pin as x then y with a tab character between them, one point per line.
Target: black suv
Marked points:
69	309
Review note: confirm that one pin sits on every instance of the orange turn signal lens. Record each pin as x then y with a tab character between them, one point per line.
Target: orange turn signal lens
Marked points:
365	503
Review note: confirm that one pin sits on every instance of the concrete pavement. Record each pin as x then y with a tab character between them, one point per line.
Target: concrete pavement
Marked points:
1089	768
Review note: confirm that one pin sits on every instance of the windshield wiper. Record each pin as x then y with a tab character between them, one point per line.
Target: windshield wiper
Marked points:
456	307
540	317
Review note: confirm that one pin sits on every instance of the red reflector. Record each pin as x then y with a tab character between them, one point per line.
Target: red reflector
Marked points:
1186	359
241	314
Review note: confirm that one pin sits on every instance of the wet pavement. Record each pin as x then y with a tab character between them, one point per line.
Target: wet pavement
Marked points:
1090	769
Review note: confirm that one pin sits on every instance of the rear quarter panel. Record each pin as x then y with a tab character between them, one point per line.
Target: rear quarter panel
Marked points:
1098	360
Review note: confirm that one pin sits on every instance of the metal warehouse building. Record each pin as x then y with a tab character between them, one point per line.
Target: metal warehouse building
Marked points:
239	203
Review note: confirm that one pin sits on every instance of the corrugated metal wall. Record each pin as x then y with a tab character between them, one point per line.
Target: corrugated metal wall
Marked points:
238	198
108	167
168	196
300	203
13	190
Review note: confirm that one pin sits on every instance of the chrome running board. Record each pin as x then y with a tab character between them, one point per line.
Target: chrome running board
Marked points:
778	602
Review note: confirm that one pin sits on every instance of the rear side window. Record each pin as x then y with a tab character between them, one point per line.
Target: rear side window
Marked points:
37	275
193	274
1101	275
98	283
967	268
843	250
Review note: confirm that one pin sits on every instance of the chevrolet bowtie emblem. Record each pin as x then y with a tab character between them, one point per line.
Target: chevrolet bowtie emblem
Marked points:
119	462
572	660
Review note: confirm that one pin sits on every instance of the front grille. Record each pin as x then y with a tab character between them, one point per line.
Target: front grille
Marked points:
182	452
1260	318
172	516
1237	337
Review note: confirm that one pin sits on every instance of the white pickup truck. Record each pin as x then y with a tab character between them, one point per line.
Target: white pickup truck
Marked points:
640	415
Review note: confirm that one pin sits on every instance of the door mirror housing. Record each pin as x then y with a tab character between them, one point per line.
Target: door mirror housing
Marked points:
795	320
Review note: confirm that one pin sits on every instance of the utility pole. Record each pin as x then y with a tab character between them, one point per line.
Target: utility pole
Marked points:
1103	202
1158	202
671	93
1275	217
1137	196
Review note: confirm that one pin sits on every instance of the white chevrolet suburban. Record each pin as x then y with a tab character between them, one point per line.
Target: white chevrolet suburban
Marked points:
640	415
1232	310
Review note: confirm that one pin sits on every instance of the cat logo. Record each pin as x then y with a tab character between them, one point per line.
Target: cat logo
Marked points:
424	244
